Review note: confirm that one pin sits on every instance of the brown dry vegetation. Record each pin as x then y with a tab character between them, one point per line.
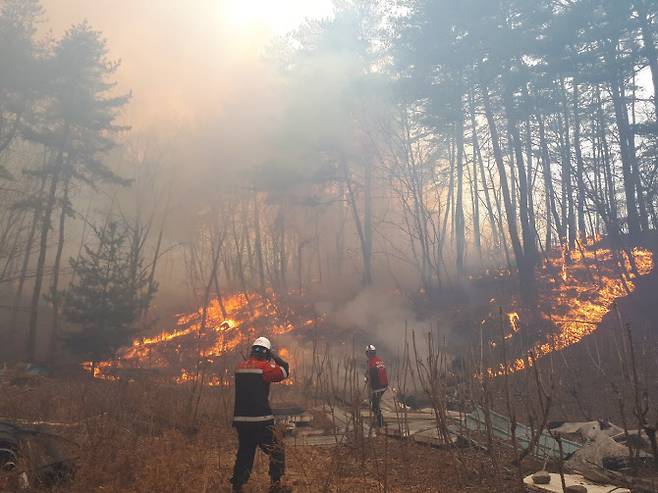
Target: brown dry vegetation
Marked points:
138	437
593	375
150	436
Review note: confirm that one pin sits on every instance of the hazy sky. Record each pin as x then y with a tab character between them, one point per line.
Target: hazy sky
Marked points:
185	58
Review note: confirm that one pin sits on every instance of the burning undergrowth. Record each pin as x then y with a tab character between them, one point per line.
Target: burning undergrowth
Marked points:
577	289
207	342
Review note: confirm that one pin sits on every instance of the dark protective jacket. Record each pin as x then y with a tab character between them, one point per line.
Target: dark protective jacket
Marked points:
252	389
377	377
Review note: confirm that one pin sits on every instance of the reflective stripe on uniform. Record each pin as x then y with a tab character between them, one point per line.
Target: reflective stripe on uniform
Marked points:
258	371
253	419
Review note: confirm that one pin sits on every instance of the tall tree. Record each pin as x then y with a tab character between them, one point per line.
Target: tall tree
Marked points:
77	123
22	74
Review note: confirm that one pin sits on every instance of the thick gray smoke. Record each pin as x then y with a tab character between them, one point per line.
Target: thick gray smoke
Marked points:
380	316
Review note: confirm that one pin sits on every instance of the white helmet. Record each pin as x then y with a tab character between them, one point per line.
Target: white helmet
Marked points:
370	348
263	342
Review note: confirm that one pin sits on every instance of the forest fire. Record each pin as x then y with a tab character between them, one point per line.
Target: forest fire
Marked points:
579	288
195	348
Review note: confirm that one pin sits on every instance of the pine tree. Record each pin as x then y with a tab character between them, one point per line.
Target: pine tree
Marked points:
107	296
77	124
22	74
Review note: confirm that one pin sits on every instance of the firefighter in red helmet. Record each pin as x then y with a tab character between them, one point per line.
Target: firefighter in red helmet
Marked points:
377	383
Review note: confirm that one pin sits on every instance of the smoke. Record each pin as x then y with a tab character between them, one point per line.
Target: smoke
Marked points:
182	61
379	316
209	107
205	101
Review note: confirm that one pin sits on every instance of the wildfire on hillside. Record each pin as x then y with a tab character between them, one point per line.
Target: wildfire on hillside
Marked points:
194	349
578	289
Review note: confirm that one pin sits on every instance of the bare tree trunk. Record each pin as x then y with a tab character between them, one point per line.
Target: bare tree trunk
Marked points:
13	228
649	49
197	383
282	254
607	166
460	242
528	234
361	227
548	183
639	187
530	174
420	215
499	221
512	170
31	345
301	244
480	162
259	244
580	168
151	285
621	116
567	171
449	204
56	266
239	251
526	272
36	217
246	241
475	199
367	221
340	235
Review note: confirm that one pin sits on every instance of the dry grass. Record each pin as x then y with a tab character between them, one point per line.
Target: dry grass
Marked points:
138	438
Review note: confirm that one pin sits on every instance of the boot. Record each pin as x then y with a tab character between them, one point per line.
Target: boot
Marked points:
277	487
237	488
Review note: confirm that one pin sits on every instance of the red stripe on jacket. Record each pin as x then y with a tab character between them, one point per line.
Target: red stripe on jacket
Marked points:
252	389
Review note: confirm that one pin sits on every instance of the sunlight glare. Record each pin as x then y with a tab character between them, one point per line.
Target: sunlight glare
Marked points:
277	16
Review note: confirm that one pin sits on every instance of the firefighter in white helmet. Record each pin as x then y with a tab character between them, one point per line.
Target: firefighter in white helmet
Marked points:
252	416
377	382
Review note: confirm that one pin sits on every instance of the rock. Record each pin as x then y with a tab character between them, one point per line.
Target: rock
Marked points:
576	488
541	477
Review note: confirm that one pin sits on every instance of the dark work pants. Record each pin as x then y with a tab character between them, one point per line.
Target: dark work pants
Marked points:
375	404
251	436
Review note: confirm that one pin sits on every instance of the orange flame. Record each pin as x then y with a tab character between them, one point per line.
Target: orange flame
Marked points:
201	338
514	323
591	283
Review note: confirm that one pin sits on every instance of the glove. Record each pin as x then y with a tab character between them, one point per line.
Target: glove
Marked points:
279	361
